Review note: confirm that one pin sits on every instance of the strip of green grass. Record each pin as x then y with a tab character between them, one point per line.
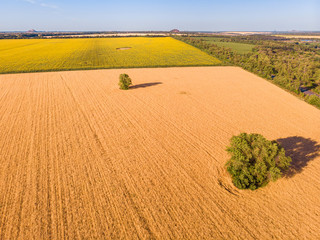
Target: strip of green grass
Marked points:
241	48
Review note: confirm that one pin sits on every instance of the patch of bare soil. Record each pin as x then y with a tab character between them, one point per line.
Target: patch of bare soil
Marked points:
124	48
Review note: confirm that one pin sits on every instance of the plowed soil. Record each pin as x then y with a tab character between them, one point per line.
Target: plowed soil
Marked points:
81	159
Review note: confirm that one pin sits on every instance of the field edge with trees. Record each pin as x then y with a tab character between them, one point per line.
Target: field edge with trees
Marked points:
291	66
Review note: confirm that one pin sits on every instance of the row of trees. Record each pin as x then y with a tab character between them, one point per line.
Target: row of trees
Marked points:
290	65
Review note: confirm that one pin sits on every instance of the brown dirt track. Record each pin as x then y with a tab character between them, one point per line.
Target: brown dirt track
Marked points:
80	158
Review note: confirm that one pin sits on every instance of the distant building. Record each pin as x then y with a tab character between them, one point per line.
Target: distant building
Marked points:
31	31
175	31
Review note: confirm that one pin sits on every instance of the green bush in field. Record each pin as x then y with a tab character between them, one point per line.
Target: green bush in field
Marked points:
124	81
255	161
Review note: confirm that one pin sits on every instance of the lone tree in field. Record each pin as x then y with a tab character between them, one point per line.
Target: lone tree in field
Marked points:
124	81
255	161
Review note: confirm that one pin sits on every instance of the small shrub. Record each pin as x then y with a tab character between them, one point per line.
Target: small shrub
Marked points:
255	161
124	81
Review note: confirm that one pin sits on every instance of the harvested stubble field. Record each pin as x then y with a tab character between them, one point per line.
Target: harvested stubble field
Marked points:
81	159
300	36
39	55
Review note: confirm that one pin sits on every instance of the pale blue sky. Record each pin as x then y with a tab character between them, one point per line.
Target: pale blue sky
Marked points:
141	15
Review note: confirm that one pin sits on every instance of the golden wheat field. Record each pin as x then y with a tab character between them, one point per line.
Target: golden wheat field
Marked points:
81	159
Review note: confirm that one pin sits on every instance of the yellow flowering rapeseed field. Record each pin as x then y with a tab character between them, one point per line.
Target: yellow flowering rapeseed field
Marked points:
35	55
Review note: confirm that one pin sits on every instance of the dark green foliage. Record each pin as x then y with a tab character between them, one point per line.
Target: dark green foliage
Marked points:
124	81
255	161
314	100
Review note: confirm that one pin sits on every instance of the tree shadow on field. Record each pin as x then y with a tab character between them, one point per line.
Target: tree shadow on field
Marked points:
301	150
144	85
